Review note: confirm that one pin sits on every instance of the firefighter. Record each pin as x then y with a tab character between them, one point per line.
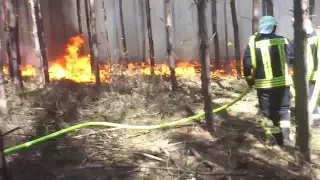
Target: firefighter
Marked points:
265	66
312	51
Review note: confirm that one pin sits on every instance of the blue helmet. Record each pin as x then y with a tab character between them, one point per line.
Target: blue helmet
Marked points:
266	24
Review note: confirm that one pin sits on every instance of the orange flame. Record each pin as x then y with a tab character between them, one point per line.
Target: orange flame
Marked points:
78	68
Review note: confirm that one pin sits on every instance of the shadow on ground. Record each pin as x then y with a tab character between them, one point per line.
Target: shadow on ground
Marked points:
238	146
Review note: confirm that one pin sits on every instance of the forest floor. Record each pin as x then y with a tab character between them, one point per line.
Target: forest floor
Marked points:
186	151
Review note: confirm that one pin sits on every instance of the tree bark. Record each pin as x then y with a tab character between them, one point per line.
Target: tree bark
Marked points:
42	42
42	62
205	63
4	175
13	21
143	27
226	39
264	7
107	35
174	82
3	100
124	54
236	36
311	10
255	15
215	30
7	42
303	113
151	45
88	21
40	71
269	5
94	41
79	16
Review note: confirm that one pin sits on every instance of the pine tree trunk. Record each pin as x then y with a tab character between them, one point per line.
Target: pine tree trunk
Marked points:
7	42
205	63
13	22
94	40
226	39
107	35
255	15
236	37
124	54
143	27
303	113
42	61
79	16
269	4
215	30
311	10
40	70
151	46
88	21
174	82
3	100
264	7
9	58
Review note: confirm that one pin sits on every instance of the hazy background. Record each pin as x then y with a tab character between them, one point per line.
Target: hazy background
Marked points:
60	23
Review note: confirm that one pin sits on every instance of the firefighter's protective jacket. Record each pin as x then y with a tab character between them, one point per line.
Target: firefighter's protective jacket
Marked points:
312	50
266	60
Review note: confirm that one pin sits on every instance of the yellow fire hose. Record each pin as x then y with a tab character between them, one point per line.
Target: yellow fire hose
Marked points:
124	126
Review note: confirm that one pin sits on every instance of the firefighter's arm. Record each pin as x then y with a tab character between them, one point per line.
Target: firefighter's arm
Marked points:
290	52
247	67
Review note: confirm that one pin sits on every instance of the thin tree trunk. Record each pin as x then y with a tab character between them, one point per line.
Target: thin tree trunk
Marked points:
94	40
88	20
303	114
124	41
40	30
40	69
236	36
269	5
215	30
264	7
5	13
65	33
13	8
9	58
143	27
4	173
7	42
79	16
255	15
151	46
3	100
107	35
311	10
205	63
226	63
174	82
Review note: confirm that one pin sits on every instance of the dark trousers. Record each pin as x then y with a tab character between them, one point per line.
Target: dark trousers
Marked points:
275	105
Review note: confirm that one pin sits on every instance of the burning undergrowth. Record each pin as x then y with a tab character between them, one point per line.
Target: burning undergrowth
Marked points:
136	154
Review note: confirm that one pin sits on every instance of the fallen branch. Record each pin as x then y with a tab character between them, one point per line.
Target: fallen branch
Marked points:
199	157
11	131
152	157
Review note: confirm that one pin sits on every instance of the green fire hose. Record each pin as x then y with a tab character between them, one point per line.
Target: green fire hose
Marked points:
124	126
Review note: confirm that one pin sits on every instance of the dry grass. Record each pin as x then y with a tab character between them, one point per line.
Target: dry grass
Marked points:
183	152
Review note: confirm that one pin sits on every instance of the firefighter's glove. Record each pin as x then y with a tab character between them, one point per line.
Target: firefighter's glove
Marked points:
250	81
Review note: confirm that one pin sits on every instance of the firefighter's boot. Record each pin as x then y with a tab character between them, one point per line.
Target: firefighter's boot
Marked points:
286	137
